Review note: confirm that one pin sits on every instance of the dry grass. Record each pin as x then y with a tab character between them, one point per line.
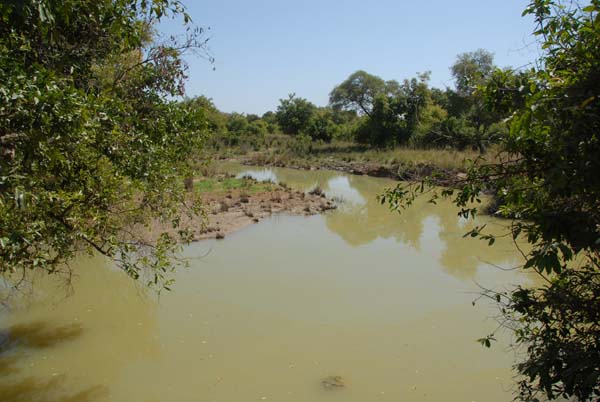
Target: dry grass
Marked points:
405	158
442	158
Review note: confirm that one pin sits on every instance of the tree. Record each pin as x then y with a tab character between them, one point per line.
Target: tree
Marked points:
293	114
394	118
548	184
237	123
270	119
386	125
472	69
216	121
358	92
321	126
93	140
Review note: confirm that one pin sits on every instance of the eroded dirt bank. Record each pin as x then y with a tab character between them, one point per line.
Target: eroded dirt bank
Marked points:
227	210
236	210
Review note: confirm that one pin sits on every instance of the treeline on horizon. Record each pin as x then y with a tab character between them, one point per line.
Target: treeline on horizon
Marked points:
369	110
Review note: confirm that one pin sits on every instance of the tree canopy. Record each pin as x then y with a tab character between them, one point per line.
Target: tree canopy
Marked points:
293	114
358	92
471	69
92	139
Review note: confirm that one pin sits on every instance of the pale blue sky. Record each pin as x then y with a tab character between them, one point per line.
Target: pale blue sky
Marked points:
266	49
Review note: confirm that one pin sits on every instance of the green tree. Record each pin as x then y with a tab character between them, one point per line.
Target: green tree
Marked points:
293	114
237	123
470	71
216	120
386	125
92	140
549	186
394	118
270	118
358	92
321	126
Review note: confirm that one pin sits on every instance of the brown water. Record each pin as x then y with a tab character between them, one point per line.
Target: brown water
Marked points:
382	300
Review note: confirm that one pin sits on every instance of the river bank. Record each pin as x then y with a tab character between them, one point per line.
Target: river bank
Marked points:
230	204
232	210
444	167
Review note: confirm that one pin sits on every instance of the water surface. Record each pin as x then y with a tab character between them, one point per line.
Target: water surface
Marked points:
382	300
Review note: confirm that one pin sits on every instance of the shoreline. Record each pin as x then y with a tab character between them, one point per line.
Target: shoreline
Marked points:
444	177
235	210
226	212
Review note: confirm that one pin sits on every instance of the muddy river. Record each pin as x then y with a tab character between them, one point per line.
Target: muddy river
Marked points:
358	304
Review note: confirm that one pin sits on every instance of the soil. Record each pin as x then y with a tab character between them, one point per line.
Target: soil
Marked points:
225	213
234	211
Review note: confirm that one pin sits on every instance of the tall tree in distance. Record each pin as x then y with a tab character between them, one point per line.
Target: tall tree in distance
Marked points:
472	69
358	92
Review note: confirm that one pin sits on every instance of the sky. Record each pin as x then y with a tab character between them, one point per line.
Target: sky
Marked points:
267	49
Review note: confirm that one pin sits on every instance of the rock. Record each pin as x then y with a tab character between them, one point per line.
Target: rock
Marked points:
219	236
333	382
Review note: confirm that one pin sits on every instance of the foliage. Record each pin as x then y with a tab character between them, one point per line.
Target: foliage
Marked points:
91	140
237	123
374	112
548	182
385	125
216	121
270	118
395	118
429	126
358	92
300	145
321	126
472	69
216	185
293	114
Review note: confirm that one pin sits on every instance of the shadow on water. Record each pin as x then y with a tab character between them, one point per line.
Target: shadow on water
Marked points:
15	344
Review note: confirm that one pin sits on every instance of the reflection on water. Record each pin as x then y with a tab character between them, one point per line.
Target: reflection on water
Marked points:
379	299
361	219
343	190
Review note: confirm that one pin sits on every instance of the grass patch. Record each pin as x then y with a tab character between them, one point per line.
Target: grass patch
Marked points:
225	185
355	154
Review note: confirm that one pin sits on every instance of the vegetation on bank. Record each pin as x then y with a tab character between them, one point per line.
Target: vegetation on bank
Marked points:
400	163
95	137
549	184
369	111
92	138
219	185
405	128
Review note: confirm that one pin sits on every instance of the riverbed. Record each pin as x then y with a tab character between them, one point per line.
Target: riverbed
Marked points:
379	299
